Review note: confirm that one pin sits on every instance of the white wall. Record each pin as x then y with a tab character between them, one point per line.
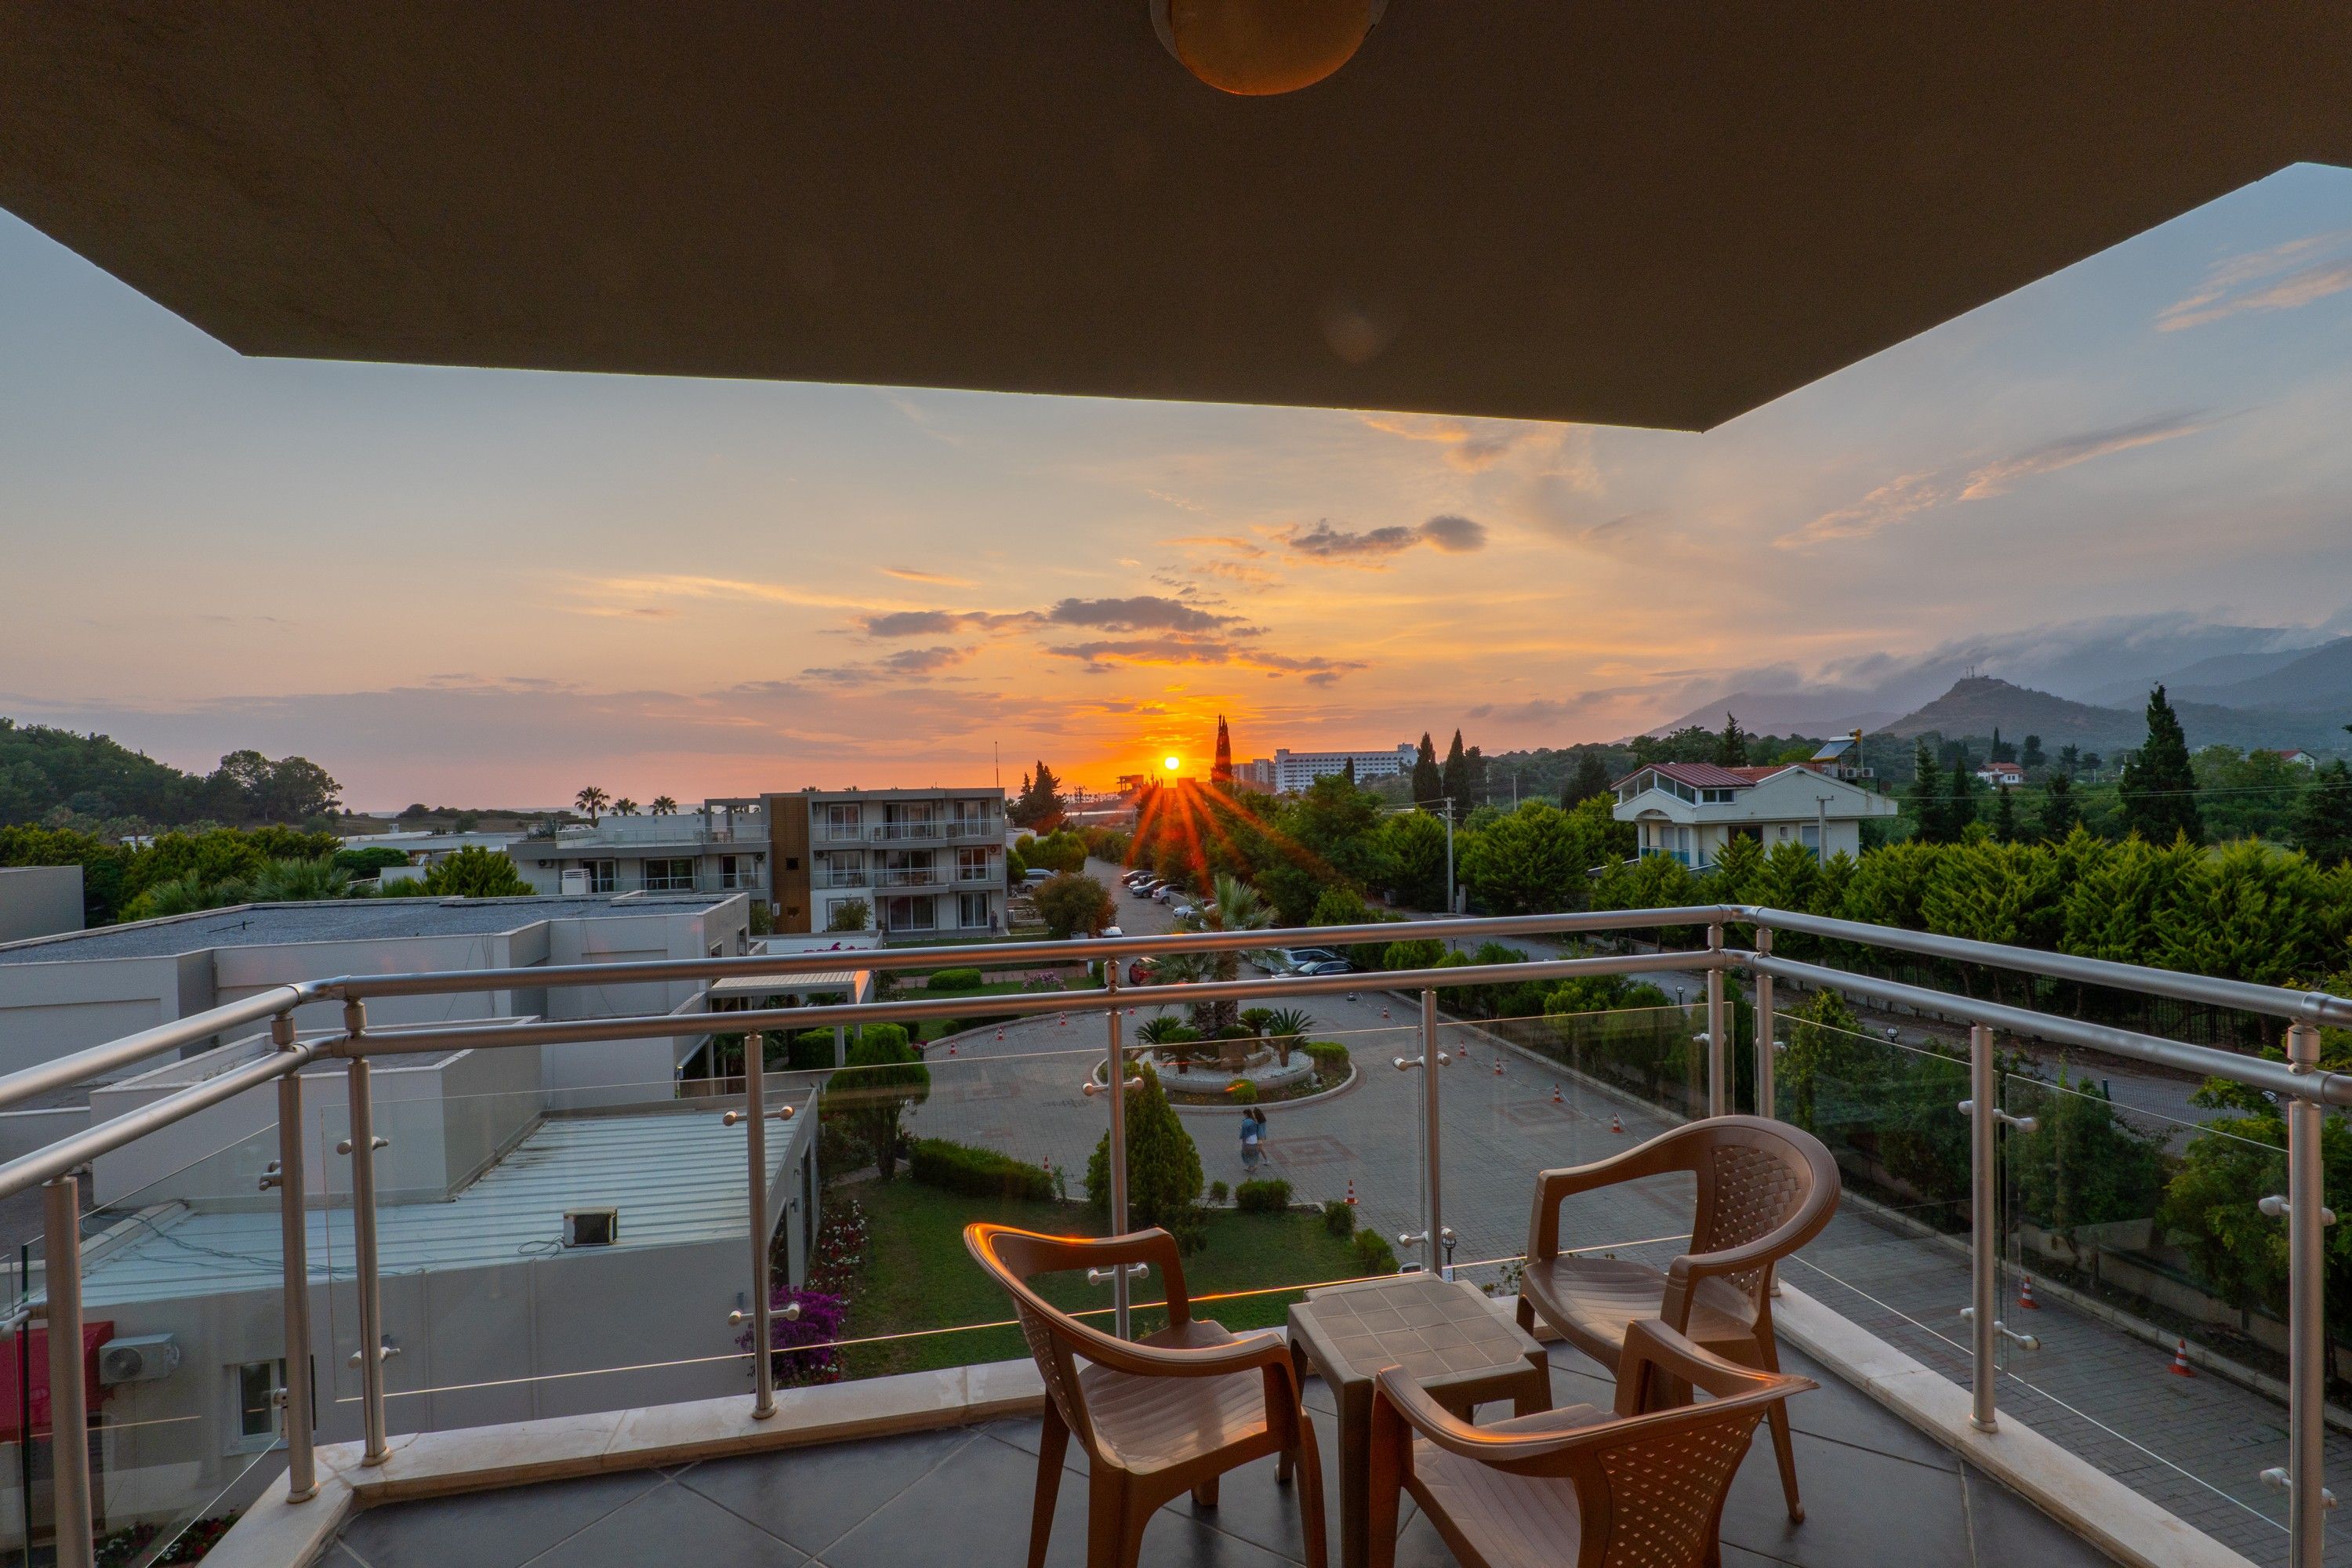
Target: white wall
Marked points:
40	901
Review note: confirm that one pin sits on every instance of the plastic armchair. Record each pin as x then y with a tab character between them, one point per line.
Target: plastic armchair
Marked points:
1157	1416
1765	1189
1643	1487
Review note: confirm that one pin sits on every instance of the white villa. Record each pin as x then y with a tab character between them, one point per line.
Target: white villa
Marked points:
1690	810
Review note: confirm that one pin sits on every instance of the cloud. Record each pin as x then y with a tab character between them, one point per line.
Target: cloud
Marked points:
1180	648
1995	479
1471	446
907	664
2282	278
942	623
1906	496
736	588
1448	533
908	573
1142	613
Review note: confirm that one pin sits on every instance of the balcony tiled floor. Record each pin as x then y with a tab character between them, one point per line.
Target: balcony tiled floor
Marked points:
1877	1491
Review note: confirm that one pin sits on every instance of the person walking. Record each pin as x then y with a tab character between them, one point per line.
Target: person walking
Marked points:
1253	1135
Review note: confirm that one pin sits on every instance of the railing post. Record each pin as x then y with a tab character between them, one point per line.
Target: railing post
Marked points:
361	1146
755	1115
1433	1221
1115	1073
68	1401
301	1469
1719	1052
1767	1026
1984	1230
2306	1221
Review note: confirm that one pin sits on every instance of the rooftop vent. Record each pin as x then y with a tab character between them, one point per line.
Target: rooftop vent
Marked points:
591	1227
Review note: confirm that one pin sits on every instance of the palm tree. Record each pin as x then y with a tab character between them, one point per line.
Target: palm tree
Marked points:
1237	907
1187	969
625	807
301	881
592	801
663	806
1285	1029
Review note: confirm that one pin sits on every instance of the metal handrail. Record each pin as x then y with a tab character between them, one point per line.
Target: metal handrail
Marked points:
2299	1082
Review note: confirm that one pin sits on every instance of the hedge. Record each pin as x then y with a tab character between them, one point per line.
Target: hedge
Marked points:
975	1172
956	980
1269	1194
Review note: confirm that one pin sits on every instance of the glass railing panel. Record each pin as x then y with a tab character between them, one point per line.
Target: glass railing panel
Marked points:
545	1250
1527	1092
2130	1223
184	1333
1894	1259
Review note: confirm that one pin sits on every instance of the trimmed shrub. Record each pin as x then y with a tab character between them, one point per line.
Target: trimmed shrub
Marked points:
1219	1192
978	1173
1163	1166
1422	953
1242	1092
1339	1217
1269	1194
811	1050
1328	1054
1373	1253
955	979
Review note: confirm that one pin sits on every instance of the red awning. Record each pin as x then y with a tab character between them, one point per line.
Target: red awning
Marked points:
93	1335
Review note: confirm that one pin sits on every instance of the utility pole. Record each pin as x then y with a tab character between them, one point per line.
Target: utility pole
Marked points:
1453	898
1821	846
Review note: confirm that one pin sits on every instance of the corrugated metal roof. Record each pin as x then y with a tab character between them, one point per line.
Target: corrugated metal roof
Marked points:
785	985
676	1177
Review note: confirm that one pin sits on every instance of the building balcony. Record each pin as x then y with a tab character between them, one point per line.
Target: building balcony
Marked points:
535	1441
987	831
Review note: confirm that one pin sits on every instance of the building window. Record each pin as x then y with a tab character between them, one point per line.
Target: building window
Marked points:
669	876
1810	835
910	915
972	911
604	876
845	821
972	865
257	1383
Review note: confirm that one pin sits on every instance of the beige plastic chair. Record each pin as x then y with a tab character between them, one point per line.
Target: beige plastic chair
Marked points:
1157	1416
1765	1189
1640	1489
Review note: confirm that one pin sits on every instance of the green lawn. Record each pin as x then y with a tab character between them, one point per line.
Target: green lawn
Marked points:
918	1275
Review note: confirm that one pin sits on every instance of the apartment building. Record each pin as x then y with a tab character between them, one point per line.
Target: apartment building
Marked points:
721	847
918	861
1691	810
1295	771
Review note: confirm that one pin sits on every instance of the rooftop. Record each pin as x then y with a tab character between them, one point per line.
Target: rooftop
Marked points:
338	919
676	1177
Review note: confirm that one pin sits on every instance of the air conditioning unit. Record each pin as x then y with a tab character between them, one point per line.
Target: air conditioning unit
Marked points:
138	1358
591	1227
576	882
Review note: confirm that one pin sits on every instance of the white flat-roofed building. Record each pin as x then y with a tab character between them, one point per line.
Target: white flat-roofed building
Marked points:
1691	810
1295	770
721	847
921	862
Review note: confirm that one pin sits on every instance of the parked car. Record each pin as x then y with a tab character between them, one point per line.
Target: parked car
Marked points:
1167	893
1184	912
1324	966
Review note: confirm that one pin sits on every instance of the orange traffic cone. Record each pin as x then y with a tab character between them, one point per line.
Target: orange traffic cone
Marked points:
1498	1066
1556	1099
2025	1293
2181	1367
1351	1191
999	1033
1384	1014
1062	1019
952	1047
1614	1124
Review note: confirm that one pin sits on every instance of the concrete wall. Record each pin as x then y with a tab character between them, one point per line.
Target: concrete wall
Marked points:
50	1010
40	901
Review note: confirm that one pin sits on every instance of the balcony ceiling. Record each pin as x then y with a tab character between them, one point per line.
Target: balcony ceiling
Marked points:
1658	214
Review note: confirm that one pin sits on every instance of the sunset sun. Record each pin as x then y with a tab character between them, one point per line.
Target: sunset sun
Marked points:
1171	763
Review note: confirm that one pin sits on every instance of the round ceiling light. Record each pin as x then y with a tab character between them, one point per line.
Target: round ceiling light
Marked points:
1258	47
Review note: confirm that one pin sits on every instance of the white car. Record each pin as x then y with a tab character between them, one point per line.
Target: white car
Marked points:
1183	912
1165	893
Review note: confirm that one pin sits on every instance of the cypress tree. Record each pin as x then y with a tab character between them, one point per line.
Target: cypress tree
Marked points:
1428	783
1222	770
2061	811
1731	749
1457	776
2158	789
2005	815
1925	797
2322	817
1590	779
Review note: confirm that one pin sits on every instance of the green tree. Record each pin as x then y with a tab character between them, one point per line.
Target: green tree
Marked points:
1039	803
2032	755
663	806
1070	903
1428	781
2322	817
1456	775
2158	788
2005	815
1163	1167
850	914
1413	844
474	872
1731	746
1529	861
183	895
297	881
2082	1164
1235	906
592	801
882	1078
1589	781
1925	799
2061	811
1221	771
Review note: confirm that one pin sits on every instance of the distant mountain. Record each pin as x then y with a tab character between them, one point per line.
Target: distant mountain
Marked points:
2198	681
1828	712
2318	681
1975	706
